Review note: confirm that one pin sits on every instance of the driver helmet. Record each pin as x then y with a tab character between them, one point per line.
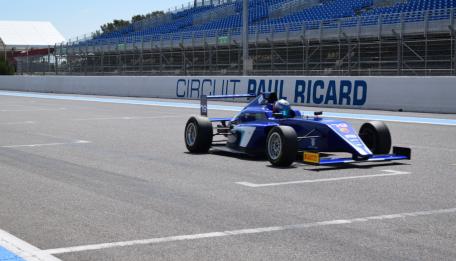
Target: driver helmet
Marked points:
282	106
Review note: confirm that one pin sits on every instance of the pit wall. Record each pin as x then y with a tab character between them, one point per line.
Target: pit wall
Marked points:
416	94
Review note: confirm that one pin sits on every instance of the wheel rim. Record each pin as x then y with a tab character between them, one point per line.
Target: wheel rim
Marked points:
190	134
274	146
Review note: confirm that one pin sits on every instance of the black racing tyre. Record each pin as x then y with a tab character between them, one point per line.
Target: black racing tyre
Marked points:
198	134
282	146
376	136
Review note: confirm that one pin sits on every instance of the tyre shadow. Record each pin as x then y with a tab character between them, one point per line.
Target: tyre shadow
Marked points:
300	164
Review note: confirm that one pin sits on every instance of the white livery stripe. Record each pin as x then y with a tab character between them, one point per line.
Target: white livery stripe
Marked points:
246	135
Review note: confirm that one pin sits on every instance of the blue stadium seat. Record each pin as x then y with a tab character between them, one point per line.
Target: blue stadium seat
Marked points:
334	13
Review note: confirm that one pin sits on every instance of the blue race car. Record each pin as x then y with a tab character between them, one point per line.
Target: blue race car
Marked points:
268	126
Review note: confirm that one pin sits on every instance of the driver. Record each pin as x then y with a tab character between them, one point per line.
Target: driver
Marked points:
282	106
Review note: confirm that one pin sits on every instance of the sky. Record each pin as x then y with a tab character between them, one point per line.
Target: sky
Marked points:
78	17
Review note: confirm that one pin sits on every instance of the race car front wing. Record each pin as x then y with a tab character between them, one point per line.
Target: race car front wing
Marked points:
316	158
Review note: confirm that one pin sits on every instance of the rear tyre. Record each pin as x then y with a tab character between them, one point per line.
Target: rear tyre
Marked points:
376	136
282	146
198	135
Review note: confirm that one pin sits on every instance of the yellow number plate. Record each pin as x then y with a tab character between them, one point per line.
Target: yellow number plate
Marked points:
312	157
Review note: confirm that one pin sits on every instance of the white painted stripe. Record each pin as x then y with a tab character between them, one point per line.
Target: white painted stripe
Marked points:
23	249
388	174
33	110
130	118
46	144
12	105
246	231
18	123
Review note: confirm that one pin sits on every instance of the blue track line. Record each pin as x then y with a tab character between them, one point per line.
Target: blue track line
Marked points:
388	118
6	255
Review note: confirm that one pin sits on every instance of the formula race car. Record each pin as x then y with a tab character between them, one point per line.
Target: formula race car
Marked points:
268	126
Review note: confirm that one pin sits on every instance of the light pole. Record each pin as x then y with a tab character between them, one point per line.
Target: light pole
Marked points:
245	37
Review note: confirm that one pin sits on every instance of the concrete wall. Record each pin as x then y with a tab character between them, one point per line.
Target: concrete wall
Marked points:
419	94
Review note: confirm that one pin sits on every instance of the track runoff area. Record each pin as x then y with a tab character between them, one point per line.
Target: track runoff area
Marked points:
102	178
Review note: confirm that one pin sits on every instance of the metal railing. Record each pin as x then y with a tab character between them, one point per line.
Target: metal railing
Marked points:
268	29
424	45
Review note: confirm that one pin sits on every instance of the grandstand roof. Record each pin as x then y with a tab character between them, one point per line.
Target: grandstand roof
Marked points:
19	34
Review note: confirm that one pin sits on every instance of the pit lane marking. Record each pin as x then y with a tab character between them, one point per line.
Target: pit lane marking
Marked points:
22	249
45	144
248	231
388	173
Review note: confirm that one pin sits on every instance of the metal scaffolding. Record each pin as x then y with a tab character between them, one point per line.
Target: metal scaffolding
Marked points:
424	47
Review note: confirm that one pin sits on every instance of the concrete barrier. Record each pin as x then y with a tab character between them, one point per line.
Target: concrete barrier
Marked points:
417	94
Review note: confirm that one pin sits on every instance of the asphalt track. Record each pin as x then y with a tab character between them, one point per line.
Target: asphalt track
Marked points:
92	180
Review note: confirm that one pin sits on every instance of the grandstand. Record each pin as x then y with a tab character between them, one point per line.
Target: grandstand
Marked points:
287	37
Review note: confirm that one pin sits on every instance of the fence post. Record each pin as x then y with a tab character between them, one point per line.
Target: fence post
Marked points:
320	24
86	64
68	59
161	54
141	69
452	17
55	59
28	62
426	22
380	26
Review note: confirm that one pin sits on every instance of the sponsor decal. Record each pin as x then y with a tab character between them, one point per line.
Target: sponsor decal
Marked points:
311	157
331	92
300	91
195	88
342	127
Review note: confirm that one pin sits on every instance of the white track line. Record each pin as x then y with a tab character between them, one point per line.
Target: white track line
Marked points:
388	174
23	249
18	123
129	118
46	144
246	231
33	110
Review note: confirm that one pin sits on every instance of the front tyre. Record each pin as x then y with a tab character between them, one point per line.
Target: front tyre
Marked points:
198	135
376	136
282	146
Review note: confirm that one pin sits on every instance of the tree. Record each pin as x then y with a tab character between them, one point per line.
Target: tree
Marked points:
5	68
137	18
154	14
119	24
114	25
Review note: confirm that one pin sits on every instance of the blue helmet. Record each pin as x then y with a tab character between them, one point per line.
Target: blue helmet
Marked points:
283	107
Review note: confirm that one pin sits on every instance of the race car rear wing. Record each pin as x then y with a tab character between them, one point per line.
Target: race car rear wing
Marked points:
205	98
